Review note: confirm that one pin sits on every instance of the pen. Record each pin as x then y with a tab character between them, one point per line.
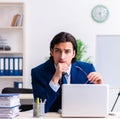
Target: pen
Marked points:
37	101
37	107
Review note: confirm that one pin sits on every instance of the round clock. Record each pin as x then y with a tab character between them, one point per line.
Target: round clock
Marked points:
100	13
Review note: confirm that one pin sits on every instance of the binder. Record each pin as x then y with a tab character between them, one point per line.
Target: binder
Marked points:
2	66
15	66
6	65
11	66
18	84
20	69
11	62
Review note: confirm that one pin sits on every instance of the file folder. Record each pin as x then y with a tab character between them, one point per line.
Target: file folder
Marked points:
6	65
20	69
16	66
2	66
11	66
11	62
18	84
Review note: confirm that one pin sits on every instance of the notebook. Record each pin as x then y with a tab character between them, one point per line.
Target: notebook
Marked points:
85	100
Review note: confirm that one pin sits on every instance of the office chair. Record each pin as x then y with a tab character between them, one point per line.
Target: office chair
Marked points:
23	107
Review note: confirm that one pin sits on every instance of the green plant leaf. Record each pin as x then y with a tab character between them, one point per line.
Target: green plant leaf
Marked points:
81	50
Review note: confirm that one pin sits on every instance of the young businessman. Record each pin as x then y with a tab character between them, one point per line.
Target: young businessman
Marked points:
47	77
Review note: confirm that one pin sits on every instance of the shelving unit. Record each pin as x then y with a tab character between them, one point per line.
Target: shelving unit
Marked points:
11	42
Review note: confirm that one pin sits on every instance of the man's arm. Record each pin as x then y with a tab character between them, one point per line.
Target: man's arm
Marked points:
42	89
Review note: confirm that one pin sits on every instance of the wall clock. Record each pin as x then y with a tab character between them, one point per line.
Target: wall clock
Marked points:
100	13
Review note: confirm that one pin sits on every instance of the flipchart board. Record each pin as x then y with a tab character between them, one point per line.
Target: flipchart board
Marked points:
108	59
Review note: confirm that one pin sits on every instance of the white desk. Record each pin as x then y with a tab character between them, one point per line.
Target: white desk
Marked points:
29	115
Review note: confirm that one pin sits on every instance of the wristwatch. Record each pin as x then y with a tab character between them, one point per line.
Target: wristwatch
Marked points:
100	13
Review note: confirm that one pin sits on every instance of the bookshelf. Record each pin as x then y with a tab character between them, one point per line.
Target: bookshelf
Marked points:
11	43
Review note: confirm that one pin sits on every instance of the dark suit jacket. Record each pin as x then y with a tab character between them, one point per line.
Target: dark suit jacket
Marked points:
42	75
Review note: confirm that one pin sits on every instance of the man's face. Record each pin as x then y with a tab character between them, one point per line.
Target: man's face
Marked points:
63	53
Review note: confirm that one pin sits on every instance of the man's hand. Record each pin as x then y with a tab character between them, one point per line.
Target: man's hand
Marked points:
95	78
60	69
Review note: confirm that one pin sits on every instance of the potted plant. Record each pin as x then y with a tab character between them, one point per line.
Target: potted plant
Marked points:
81	50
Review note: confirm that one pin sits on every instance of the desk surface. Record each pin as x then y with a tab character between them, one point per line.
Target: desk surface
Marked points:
29	115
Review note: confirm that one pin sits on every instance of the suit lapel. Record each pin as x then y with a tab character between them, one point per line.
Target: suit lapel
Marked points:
77	76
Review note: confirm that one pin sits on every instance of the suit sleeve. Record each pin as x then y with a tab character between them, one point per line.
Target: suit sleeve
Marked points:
42	89
92	68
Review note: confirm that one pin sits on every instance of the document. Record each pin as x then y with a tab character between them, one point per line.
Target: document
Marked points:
9	100
9	106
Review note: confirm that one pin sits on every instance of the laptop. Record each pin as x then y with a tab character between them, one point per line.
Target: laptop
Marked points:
85	100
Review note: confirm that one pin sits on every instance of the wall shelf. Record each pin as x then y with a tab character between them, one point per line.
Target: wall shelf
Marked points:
11	43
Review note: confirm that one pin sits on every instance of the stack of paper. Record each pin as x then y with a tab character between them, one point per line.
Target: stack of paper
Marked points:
9	105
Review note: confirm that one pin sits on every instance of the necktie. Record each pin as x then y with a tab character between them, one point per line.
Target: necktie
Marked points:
63	81
64	78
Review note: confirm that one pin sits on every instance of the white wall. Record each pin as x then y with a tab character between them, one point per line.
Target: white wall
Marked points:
45	18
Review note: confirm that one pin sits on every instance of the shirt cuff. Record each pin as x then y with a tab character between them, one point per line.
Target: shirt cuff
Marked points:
55	87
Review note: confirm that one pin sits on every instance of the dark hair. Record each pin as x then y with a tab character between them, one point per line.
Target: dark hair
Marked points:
64	37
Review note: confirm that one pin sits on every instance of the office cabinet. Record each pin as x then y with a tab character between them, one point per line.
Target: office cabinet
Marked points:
11	43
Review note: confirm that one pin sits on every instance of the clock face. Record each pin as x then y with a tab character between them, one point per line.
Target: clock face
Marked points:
100	13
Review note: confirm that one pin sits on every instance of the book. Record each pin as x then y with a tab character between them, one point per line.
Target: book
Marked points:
19	21
15	19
